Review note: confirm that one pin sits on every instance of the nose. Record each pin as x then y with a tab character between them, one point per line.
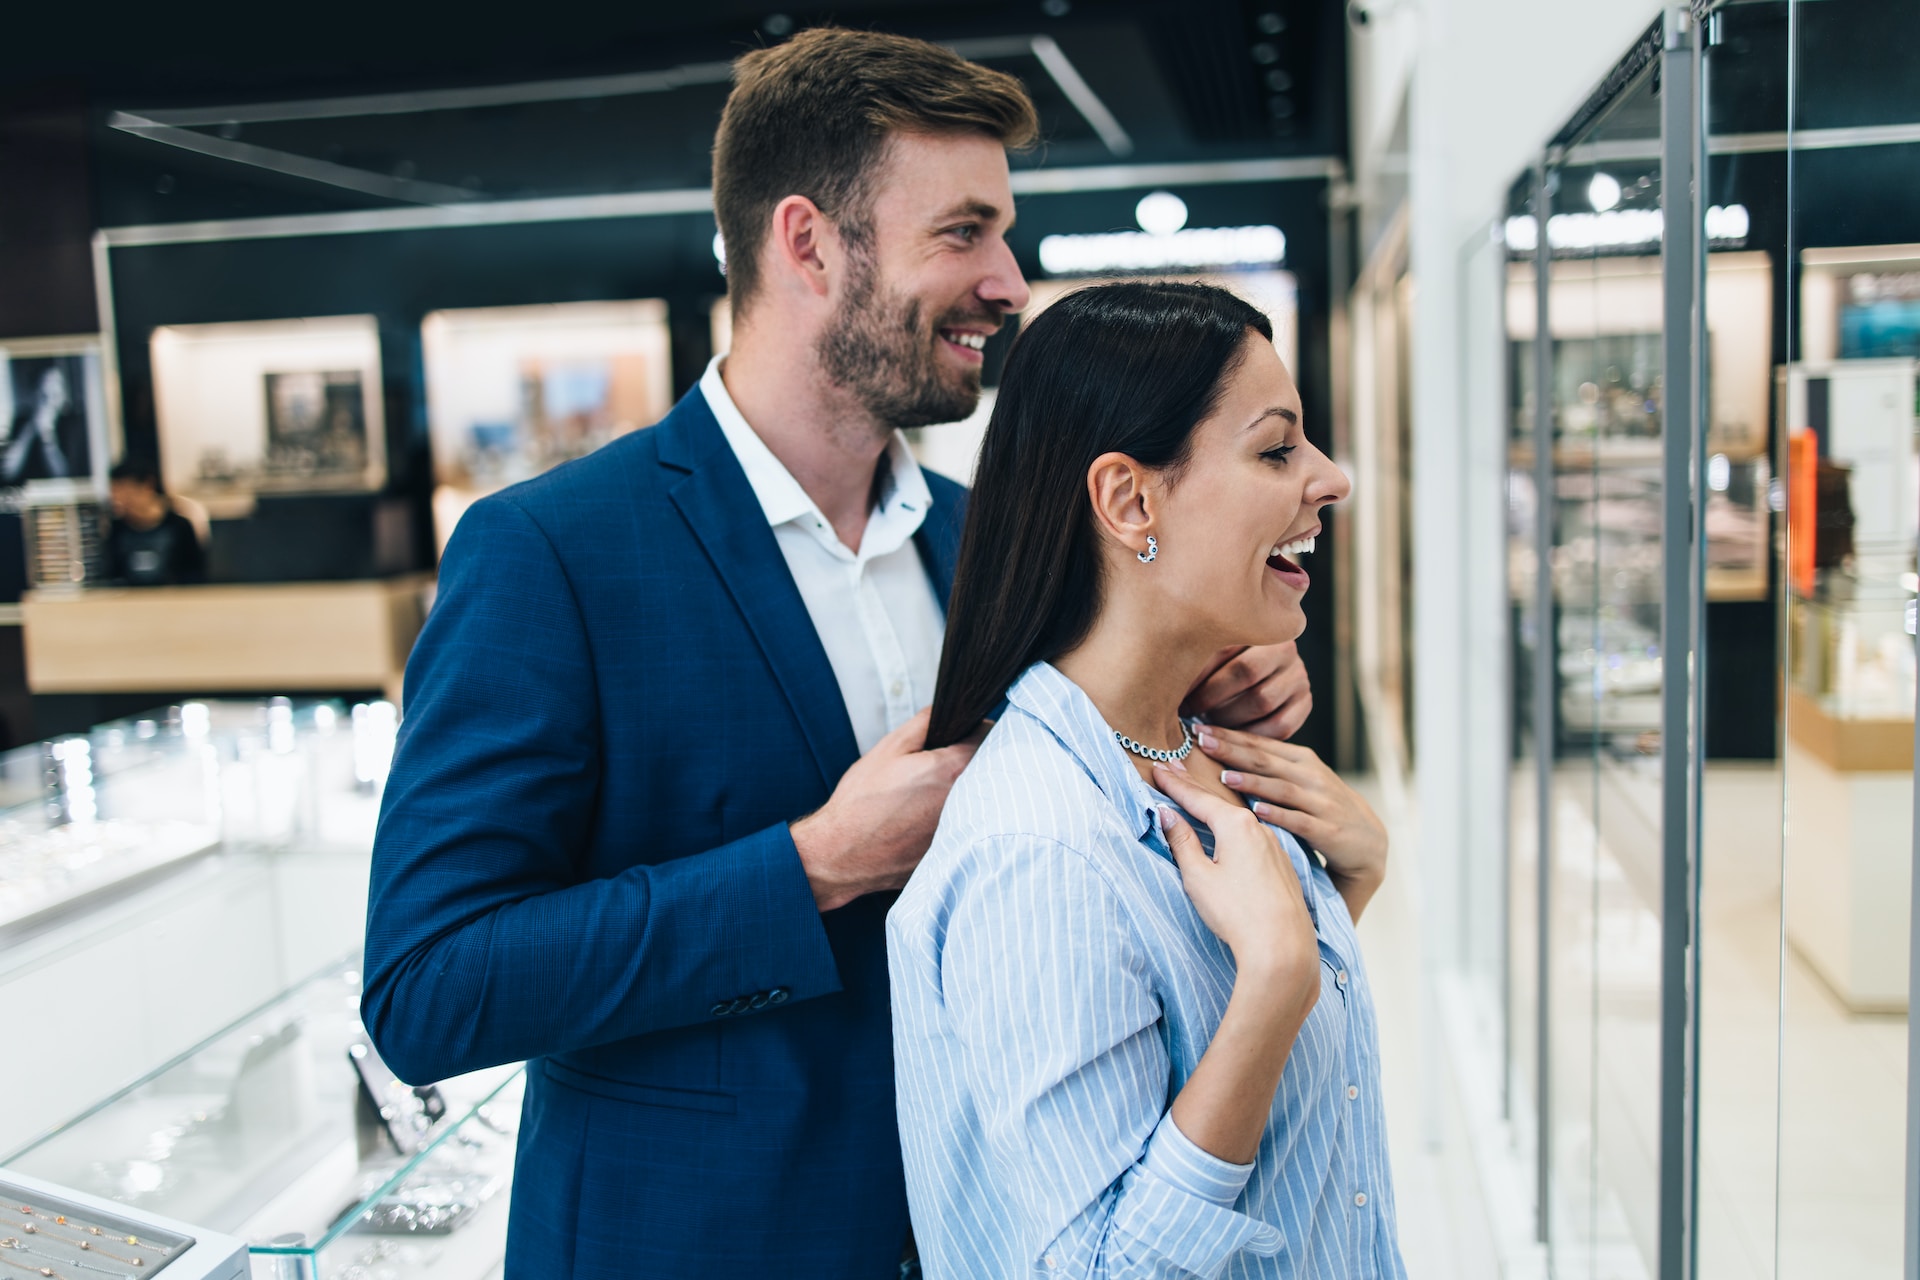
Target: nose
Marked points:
1330	484
1003	285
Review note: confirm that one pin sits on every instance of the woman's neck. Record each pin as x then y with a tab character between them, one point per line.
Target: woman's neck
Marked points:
1136	675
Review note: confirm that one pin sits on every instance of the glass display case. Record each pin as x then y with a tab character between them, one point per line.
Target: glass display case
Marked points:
162	875
283	1130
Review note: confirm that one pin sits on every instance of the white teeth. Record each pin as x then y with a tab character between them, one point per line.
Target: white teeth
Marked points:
975	340
1298	547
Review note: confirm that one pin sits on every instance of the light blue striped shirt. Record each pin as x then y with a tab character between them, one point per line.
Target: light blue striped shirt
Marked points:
1054	988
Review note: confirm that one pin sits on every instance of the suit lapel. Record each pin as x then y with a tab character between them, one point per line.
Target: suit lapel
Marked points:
939	535
719	506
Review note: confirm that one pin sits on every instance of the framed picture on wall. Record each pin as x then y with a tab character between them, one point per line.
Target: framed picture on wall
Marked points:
272	406
53	418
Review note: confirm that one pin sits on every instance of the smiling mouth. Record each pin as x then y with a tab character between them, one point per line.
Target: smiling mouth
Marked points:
1284	555
963	338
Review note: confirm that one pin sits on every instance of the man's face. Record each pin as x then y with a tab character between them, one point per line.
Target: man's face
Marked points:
934	280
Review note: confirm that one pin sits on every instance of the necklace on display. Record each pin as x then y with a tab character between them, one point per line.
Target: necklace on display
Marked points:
60	1220
83	1243
1184	750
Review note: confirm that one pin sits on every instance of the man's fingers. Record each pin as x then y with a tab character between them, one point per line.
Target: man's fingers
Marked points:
909	737
1232	676
1285	722
1260	700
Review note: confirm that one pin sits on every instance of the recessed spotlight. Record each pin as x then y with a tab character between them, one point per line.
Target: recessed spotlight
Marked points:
1265	54
777	24
1603	192
1161	213
1279	81
1270	24
1056	8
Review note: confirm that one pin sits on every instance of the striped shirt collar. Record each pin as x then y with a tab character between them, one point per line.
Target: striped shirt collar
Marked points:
1070	716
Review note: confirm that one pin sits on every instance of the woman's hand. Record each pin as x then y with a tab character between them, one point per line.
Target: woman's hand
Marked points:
1247	893
1294	790
1249	896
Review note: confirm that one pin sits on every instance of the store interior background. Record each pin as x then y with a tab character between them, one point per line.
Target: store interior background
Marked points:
474	218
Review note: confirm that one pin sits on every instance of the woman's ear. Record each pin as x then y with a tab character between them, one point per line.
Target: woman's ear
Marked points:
1123	509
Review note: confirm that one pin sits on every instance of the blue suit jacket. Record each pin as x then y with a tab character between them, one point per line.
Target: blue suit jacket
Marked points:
616	708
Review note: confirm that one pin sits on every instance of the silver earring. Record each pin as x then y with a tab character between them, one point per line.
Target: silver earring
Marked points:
1153	549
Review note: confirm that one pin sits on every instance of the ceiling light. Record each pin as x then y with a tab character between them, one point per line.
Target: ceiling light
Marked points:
1265	54
1603	192
1191	247
1162	213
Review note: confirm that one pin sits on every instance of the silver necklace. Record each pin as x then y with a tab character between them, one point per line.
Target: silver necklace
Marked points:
1153	753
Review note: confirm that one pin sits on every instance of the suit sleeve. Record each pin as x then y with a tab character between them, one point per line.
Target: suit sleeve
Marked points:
484	945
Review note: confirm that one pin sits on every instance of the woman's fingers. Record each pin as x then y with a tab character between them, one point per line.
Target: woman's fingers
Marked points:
1182	839
1194	798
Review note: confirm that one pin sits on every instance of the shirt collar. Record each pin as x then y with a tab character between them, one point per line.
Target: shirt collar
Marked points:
903	501
1066	711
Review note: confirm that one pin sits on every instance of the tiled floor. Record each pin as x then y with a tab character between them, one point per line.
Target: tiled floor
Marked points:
1801	1168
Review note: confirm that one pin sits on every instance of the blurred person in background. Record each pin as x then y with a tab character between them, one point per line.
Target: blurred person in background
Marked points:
150	543
662	770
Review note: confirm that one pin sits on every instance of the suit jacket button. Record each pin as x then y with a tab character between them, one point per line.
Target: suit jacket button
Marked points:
759	1001
740	1004
778	995
722	1009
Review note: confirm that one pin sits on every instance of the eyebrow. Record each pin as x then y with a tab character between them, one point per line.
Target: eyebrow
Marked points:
971	209
1278	411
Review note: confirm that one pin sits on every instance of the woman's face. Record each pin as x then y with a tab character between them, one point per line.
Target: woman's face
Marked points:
1235	521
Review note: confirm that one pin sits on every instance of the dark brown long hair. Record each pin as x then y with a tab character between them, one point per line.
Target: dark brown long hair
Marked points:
1129	368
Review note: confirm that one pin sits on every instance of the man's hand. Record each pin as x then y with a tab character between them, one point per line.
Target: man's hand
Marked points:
877	824
1262	689
1295	790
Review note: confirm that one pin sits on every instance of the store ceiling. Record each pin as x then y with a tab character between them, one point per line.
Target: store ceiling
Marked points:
195	123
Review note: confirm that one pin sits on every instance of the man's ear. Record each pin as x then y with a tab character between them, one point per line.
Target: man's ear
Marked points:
1123	509
803	248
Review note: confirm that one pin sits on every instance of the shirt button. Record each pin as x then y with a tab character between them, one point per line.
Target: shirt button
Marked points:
1360	1199
896	688
1340	978
1353	1091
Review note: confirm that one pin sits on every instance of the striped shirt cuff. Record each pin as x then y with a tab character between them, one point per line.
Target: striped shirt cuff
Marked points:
1172	1157
1175	1205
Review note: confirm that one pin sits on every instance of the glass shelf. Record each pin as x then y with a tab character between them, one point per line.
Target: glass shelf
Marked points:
91	816
263	1132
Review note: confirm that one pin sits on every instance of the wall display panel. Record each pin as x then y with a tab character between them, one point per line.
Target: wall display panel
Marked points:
282	406
513	391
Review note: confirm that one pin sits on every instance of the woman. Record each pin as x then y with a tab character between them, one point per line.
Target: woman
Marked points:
1133	1036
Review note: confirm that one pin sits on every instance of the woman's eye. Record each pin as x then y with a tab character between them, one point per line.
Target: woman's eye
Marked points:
1278	453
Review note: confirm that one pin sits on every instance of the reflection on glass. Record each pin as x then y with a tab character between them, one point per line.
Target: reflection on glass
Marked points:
1844	399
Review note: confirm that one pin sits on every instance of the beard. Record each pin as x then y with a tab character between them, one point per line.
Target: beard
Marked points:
889	360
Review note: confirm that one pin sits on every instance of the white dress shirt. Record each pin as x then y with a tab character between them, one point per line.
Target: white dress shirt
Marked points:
874	608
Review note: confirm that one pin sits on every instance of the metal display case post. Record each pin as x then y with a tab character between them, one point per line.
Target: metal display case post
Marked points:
1682	576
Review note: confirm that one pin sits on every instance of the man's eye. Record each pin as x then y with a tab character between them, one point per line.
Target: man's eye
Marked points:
967	232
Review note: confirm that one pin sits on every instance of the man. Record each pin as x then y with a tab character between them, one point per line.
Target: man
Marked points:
150	544
649	805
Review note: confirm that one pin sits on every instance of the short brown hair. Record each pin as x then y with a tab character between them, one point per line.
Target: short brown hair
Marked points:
811	117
